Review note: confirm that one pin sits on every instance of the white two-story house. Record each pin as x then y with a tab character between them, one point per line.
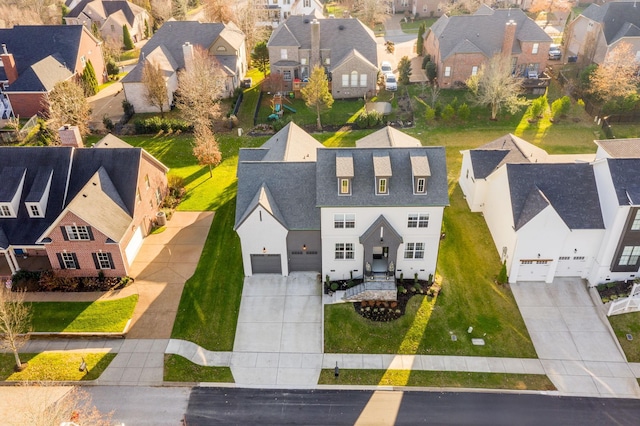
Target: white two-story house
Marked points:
345	212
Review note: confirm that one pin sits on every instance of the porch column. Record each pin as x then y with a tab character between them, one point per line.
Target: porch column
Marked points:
15	267
9	262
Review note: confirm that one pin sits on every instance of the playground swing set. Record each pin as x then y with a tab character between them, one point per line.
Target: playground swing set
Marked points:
278	107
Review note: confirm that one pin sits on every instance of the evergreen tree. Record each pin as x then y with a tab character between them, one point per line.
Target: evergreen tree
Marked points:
260	57
89	80
420	41
404	70
126	38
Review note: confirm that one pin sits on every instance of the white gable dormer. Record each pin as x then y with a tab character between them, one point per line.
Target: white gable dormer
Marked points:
344	172
12	179
382	171
38	197
420	171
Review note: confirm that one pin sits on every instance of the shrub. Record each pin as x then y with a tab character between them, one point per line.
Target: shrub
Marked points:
560	107
538	106
112	68
157	124
401	289
89	80
438	110
429	114
108	123
464	112
431	70
448	113
425	61
126	38
502	275
128	109
334	286
367	120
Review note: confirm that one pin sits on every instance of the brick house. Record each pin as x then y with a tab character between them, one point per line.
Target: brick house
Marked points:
36	57
86	209
459	45
110	16
599	28
346	48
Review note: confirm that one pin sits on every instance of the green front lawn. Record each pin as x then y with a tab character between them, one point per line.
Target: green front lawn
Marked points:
628	324
179	369
128	55
89	317
56	366
439	379
413	26
210	302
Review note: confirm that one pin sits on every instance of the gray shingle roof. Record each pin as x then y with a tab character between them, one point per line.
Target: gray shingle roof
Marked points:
569	188
344	165
30	44
506	149
420	165
172	35
626	181
39	185
41	76
619	19
382	164
24	230
621	148
10	176
340	36
387	137
400	184
291	143
483	31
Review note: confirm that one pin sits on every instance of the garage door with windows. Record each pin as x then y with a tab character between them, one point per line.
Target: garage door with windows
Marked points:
533	269
266	264
571	266
305	260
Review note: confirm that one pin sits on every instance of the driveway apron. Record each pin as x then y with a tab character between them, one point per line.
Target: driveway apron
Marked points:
279	334
574	344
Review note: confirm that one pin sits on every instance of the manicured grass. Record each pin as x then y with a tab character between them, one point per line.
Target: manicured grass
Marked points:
107	316
56	366
210	302
625	130
179	369
413	26
343	111
129	54
444	379
628	324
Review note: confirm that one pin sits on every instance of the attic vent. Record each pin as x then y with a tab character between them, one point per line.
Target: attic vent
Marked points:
305	20
341	27
84	195
94	184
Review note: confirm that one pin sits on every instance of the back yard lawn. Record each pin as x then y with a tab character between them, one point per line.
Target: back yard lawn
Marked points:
343	111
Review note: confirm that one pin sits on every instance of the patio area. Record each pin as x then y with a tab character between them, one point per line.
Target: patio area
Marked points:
38	262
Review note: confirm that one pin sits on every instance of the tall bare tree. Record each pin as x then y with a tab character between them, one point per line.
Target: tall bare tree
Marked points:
15	322
248	17
495	86
46	405
371	11
218	11
461	7
617	76
316	93
200	86
155	87
66	104
206	148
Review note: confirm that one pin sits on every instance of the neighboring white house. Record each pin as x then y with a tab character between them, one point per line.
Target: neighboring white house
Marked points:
343	212
172	46
279	10
558	216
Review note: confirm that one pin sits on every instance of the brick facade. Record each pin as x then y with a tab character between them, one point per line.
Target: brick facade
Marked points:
26	105
91	49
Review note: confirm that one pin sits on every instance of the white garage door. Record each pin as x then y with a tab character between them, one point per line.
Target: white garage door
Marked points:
134	245
533	270
571	266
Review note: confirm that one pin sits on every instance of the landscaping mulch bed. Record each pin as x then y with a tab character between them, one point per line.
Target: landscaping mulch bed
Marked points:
376	310
614	290
47	281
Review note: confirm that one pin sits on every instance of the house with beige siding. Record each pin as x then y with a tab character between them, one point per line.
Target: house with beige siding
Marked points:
345	48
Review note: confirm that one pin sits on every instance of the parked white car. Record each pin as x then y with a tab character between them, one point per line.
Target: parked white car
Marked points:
386	68
390	82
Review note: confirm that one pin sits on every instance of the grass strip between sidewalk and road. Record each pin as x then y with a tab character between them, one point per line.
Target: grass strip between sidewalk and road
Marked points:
99	316
439	379
180	369
55	366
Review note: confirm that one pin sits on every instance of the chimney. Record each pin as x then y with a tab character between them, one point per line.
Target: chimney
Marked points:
9	64
315	43
509	37
70	136
187	52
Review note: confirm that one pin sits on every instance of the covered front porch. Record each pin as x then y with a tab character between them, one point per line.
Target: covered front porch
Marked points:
14	259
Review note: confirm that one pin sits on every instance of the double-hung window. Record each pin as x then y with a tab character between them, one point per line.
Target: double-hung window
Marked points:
78	233
344	220
629	255
418	220
69	261
344	251
635	225
414	251
103	261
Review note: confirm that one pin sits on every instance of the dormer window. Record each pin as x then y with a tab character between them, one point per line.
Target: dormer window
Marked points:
344	172
38	196
345	186
421	185
12	179
420	171
382	186
34	211
5	211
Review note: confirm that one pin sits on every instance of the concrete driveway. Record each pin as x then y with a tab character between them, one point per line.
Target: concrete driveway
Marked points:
573	341
279	334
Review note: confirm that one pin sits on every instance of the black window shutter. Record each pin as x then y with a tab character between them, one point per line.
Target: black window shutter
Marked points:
75	260
90	232
64	233
111	261
59	256
95	260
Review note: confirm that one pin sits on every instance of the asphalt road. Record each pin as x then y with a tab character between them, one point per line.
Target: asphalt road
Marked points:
229	406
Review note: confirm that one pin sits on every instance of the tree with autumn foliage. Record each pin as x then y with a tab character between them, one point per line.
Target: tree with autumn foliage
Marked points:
206	148
549	7
155	87
316	93
616	78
